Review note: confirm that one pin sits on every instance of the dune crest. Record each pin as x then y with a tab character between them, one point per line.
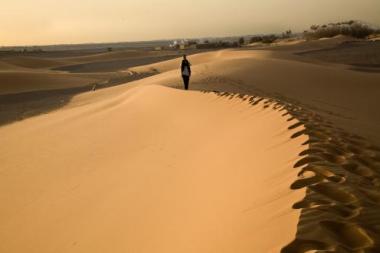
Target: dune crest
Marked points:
153	169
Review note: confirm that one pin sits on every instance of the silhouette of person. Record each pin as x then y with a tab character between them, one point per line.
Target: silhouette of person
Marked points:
186	72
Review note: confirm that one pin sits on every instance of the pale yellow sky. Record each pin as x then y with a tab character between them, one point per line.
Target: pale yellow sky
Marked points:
36	22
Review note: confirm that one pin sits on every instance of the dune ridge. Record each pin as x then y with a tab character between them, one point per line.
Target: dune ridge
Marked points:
324	196
141	170
26	72
340	172
25	81
340	169
347	98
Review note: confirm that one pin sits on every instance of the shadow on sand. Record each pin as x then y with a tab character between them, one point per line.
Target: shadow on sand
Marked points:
341	174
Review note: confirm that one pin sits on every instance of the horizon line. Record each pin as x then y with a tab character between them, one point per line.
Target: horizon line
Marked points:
137	41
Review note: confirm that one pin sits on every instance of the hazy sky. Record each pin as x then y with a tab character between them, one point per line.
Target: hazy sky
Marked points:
36	22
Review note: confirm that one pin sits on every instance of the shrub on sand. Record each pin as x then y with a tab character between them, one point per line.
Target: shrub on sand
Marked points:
351	28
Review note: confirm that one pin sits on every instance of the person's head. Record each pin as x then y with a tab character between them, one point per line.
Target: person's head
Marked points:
184	57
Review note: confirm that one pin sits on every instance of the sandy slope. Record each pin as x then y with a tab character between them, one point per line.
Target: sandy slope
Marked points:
34	62
348	98
144	168
339	110
23	81
151	169
125	54
24	72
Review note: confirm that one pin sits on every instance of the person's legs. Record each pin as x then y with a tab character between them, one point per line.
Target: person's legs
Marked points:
186	81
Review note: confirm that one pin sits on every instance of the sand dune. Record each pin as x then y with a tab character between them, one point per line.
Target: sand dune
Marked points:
111	65
113	61
25	72
107	56
291	166
337	107
34	62
361	55
305	45
6	66
23	81
141	171
348	98
175	63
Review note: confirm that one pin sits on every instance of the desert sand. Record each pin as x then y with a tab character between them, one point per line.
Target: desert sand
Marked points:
274	150
33	83
347	98
33	71
152	169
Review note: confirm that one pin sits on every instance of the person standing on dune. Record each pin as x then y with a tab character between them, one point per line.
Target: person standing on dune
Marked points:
186	72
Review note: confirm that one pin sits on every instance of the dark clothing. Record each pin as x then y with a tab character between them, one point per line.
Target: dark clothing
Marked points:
186	78
186	63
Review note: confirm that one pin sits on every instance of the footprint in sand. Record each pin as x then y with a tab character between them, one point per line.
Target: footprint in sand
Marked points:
348	234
